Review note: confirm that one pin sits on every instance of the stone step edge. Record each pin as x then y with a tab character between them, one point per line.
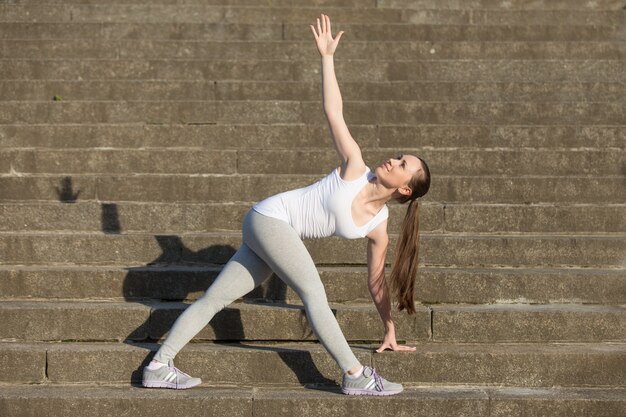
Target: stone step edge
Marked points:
237	233
366	351
283	101
302	62
344	24
133	356
297	392
346	268
317	150
247	204
143	125
297	304
306	102
314	346
446	6
292	176
210	82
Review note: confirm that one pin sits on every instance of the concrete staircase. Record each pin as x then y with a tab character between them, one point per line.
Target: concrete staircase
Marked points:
135	135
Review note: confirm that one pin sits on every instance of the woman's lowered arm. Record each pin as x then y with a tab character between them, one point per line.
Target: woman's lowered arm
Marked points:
378	242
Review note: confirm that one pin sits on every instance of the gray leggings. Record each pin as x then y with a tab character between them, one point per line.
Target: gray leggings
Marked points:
268	245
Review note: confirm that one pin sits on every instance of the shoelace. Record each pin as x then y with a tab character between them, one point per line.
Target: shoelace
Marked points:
378	380
178	373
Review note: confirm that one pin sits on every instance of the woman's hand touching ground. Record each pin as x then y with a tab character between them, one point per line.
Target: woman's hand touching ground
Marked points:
326	45
390	343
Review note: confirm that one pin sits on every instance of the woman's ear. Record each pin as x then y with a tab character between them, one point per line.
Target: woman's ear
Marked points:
405	191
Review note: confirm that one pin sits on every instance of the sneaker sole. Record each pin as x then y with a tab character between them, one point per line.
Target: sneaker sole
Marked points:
356	391
170	385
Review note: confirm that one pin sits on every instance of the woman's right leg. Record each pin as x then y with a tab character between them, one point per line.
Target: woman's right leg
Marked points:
243	272
278	244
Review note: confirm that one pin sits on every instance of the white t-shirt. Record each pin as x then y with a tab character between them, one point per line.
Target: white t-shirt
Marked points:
322	209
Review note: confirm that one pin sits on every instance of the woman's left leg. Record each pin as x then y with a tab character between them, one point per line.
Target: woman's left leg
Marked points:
244	272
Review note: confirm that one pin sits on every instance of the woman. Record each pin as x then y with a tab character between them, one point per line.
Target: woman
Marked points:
350	202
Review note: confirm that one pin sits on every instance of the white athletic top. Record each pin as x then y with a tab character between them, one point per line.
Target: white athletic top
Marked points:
322	209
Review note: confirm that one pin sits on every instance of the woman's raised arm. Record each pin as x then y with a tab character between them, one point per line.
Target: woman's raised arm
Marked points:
352	165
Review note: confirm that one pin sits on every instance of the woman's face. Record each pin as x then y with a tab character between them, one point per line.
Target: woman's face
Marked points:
397	172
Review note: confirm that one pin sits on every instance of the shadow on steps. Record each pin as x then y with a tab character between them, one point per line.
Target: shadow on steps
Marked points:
171	277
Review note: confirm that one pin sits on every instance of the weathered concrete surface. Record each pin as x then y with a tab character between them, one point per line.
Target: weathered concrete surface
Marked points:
514	17
212	188
228	364
172	218
518	365
357	112
264	137
136	321
442	250
307	91
529	323
342	284
23	364
198	13
515	285
289	401
574	402
499	5
412	402
43	321
58	401
458	162
353	70
444	401
507	364
247	321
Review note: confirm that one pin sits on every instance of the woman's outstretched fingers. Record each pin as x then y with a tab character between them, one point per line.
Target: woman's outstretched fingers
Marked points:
395	348
403	348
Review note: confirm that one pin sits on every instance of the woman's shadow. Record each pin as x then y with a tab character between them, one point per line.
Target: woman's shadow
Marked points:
179	274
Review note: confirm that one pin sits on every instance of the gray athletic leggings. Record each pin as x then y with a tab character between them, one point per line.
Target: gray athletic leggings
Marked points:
268	245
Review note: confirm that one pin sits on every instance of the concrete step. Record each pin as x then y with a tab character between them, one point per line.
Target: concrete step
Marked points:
342	284
172	218
134	321
384	4
216	248
289	31
521	365
118	90
504	16
530	323
483	32
202	13
349	70
596	162
506	5
92	401
211	188
444	5
298	136
355	112
199	12
301	51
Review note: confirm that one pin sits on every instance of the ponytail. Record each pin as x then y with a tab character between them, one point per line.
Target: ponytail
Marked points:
404	268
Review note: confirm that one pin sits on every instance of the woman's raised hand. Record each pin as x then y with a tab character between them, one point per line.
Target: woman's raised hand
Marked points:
326	45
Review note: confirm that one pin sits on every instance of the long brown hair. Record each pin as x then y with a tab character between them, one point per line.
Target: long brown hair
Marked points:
404	268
